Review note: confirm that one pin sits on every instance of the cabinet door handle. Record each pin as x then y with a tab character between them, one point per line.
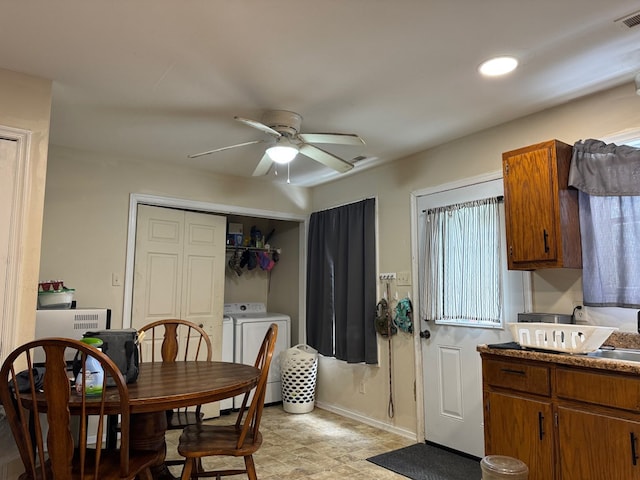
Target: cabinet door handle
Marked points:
634	455
541	425
546	243
512	371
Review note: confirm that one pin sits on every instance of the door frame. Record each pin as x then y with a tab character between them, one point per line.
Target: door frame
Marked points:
136	199
417	341
16	232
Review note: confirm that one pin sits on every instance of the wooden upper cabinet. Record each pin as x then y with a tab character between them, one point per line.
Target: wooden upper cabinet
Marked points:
542	225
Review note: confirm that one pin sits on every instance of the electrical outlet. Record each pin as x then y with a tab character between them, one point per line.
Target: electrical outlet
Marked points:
579	313
362	388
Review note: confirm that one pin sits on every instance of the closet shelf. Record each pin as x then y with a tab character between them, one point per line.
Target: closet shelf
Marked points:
233	248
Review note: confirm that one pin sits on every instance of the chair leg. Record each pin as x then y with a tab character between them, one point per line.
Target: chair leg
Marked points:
187	468
145	475
251	468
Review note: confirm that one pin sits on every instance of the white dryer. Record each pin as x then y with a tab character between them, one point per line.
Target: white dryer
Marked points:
227	354
250	323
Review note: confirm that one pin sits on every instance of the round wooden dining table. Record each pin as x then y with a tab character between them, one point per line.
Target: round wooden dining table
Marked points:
165	386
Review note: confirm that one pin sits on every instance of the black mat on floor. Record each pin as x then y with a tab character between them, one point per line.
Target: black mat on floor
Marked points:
428	462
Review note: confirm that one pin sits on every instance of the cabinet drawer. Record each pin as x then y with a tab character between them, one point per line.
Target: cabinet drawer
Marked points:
517	376
609	390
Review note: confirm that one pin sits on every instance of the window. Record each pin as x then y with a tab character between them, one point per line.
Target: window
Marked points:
463	266
341	282
607	177
514	285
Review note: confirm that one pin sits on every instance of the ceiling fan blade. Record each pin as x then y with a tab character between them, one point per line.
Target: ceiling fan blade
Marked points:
195	155
260	126
326	158
263	167
337	138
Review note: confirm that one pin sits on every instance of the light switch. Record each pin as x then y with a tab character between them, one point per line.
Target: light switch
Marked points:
115	280
403	278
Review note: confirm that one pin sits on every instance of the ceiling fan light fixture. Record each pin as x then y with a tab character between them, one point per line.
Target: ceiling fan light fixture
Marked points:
282	154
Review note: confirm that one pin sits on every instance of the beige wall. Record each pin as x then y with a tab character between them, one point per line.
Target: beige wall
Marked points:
593	117
25	103
87	208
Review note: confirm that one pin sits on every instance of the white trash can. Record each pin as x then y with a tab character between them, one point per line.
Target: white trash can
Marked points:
500	467
299	371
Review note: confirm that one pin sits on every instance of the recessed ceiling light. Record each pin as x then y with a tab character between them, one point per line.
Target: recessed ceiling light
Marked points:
498	66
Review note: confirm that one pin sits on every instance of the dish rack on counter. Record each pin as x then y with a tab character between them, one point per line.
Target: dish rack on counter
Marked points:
560	337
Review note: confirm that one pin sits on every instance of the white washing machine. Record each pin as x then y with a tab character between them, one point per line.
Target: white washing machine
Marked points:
250	323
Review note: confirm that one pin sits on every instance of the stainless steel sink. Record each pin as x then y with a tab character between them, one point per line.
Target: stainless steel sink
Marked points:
617	354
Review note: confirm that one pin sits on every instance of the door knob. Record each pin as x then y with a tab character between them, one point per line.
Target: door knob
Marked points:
425	334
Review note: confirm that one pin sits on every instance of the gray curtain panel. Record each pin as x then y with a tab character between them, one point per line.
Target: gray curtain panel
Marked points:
341	283
608	177
598	168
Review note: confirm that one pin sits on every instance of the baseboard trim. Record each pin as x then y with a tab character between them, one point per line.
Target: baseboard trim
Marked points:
367	420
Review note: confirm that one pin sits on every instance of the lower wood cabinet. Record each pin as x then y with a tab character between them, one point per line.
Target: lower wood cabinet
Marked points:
564	422
530	422
597	447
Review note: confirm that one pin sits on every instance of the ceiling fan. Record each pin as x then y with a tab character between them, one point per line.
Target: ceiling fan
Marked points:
285	142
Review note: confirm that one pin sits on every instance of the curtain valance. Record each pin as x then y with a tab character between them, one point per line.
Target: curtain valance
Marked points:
598	168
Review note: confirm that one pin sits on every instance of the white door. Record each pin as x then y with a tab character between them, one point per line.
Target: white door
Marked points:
8	211
179	271
451	365
9	217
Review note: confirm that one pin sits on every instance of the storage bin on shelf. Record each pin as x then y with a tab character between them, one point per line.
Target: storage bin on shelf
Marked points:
299	372
58	299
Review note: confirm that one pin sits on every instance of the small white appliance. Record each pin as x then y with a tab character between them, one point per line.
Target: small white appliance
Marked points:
70	323
250	323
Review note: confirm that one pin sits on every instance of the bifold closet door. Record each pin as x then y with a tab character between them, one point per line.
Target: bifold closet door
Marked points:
179	270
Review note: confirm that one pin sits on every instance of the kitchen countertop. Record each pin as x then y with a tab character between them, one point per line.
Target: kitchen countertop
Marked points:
617	340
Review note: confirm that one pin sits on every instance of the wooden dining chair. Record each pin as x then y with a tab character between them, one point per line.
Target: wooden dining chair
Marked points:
47	448
180	340
241	439
171	340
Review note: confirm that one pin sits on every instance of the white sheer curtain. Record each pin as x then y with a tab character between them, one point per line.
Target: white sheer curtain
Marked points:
463	263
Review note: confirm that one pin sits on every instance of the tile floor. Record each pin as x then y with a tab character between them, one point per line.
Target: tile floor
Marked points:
319	445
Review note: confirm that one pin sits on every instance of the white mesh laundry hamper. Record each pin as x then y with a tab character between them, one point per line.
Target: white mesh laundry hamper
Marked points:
299	371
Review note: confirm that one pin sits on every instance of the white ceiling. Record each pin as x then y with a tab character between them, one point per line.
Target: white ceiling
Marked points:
160	79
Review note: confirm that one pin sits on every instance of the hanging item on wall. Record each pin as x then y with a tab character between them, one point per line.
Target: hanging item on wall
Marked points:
244	260
404	316
266	263
234	262
383	322
385	326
